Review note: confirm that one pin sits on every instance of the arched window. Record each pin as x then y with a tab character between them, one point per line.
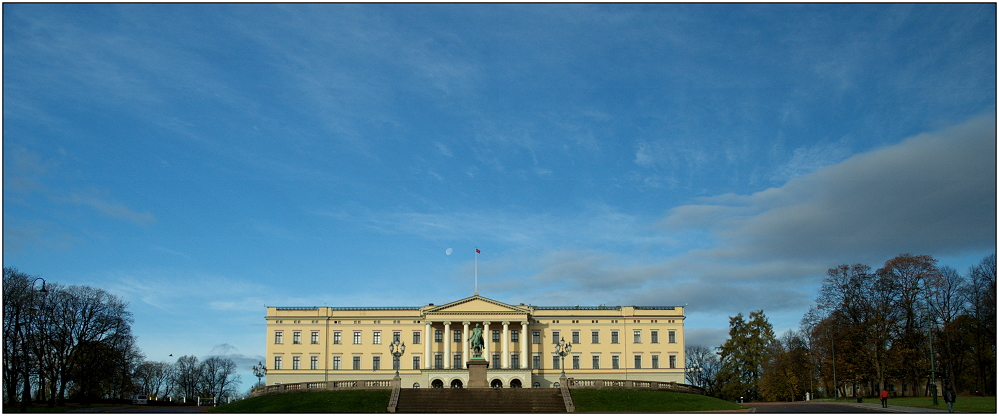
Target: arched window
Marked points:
456	384
496	384
515	384
437	384
416	385
536	385
556	385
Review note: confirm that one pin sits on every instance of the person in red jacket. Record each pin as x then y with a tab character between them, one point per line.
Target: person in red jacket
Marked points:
884	398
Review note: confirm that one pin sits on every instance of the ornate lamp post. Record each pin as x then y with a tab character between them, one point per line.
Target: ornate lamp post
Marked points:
562	349
695	372
397	348
259	370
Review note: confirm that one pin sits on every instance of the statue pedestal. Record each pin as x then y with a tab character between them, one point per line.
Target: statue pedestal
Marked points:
477	373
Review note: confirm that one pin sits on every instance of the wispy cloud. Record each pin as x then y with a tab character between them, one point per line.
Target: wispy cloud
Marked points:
110	208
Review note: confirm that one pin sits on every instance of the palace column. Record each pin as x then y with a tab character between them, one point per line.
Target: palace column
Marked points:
447	344
428	360
506	345
524	356
487	337
464	342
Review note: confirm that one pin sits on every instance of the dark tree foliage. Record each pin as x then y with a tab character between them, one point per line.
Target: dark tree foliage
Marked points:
75	337
744	355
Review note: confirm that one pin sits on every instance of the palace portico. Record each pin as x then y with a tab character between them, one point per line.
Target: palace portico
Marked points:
351	343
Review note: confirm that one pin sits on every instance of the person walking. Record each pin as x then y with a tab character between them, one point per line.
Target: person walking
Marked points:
950	396
884	398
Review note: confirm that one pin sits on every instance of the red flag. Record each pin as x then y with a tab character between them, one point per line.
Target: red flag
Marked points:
477	251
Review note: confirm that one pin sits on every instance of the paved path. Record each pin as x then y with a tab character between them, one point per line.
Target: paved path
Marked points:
835	407
143	409
898	409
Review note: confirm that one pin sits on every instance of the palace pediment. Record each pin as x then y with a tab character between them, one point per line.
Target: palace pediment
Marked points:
476	305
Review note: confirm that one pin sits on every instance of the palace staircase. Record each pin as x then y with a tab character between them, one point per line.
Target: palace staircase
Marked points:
480	401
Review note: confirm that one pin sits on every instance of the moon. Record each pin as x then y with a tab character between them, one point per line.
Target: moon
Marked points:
448	251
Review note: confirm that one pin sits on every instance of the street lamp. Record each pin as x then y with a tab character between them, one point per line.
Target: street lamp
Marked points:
562	349
695	372
396	348
259	370
26	394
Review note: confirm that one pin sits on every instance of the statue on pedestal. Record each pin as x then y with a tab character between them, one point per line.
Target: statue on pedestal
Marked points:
477	343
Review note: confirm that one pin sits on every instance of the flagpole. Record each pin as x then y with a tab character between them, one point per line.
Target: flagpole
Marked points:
476	272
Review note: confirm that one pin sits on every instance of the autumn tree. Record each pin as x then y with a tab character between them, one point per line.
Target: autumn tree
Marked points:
787	374
980	296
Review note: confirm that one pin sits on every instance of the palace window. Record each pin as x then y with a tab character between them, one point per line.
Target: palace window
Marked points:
396	336
615	362
514	335
654	336
357	362
456	361
556	362
438	361
655	360
296	362
357	337
536	362
314	362
638	336
596	362
575	362
457	335
277	362
672	361
638	361
336	362
438	335
575	337
595	337
672	337
514	360
416	337
315	337
376	363
395	362
376	337
296	337
496	361
535	337
496	335
337	337
416	362
614	337
555	337
279	337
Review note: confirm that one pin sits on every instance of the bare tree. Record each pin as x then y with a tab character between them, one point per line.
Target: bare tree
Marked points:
219	377
703	365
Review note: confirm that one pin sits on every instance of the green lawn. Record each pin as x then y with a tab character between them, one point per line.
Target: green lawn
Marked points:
374	401
600	401
972	404
646	401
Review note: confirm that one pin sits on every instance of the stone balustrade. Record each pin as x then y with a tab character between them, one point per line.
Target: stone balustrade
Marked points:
324	386
633	384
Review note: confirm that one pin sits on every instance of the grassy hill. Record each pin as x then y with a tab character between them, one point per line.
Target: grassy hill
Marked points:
600	401
646	401
374	401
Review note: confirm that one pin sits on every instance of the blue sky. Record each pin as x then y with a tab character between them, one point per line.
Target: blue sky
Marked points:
204	160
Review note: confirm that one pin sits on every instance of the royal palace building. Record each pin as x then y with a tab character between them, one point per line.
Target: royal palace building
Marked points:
311	344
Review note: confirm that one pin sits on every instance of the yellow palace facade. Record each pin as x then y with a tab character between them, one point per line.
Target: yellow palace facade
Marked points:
311	344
